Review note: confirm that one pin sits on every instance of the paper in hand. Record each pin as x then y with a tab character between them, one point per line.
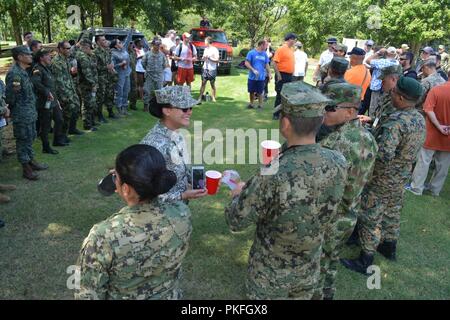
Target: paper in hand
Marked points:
231	178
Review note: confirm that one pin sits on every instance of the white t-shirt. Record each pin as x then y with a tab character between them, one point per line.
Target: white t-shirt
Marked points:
186	53
326	57
368	54
301	58
213	53
139	53
168	45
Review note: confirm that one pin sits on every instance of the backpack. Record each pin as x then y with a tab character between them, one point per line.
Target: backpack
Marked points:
173	66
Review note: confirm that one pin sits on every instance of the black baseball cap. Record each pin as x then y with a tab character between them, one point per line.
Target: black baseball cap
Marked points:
332	40
357	52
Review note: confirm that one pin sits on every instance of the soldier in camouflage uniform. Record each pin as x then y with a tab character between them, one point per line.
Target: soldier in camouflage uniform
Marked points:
170	142
4	113
341	51
65	89
359	149
22	103
132	96
137	253
399	140
431	79
47	102
88	83
154	62
295	206
110	88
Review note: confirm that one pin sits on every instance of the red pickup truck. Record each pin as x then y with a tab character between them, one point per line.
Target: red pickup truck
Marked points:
220	41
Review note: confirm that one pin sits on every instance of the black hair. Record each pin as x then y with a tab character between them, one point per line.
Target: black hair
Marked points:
98	37
304	126
27	33
72	42
143	167
155	108
61	44
136	41
113	44
34	43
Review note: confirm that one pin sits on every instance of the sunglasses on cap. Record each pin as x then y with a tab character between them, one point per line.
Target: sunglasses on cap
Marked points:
333	107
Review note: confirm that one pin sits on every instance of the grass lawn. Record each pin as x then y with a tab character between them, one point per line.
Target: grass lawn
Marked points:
47	220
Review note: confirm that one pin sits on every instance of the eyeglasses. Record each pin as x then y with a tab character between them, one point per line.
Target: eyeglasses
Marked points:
185	110
113	177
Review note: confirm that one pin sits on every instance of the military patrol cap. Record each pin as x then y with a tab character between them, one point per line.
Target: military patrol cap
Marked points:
302	100
16	51
40	53
410	87
177	96
392	69
339	64
86	42
341	47
344	93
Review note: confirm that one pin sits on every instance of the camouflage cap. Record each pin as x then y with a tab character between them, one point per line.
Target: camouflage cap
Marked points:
410	87
177	96
302	100
20	50
40	53
344	93
339	64
341	47
86	42
392	69
431	61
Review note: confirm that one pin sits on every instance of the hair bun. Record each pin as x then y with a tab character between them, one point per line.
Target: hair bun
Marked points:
164	181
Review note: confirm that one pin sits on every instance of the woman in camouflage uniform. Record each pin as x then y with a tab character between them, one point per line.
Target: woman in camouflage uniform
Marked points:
137	252
173	105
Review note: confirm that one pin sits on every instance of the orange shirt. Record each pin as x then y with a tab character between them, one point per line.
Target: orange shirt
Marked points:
285	59
438	101
356	76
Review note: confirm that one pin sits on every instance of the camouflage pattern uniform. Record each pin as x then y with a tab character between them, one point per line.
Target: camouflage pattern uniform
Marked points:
110	88
66	91
170	143
292	209
136	253
399	140
44	84
359	149
103	59
132	96
429	82
23	111
154	65
88	84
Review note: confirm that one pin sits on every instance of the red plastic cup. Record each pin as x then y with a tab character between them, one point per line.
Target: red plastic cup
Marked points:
270	150
212	181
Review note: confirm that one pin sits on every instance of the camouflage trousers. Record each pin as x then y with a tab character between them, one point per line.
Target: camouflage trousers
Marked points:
381	205
271	283
70	111
110	92
24	133
89	106
132	95
103	95
150	85
1	146
334	242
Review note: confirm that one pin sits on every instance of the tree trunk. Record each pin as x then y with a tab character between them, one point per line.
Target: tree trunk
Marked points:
106	7
83	18
16	25
47	18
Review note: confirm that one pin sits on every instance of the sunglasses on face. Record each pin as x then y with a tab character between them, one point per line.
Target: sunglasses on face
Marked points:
185	110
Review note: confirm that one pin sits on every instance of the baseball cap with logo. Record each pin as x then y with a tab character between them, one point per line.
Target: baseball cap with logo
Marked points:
357	52
186	35
442	47
391	50
405	46
370	43
332	40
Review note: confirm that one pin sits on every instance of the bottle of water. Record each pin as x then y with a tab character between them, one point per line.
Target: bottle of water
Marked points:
207	97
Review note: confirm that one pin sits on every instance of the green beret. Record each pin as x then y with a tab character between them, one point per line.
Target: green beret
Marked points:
410	87
339	64
20	50
392	69
302	100
344	93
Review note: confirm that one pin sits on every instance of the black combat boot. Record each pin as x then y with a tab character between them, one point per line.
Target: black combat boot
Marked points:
73	126
37	166
111	115
388	249
354	238
46	148
60	142
359	265
28	172
2	223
